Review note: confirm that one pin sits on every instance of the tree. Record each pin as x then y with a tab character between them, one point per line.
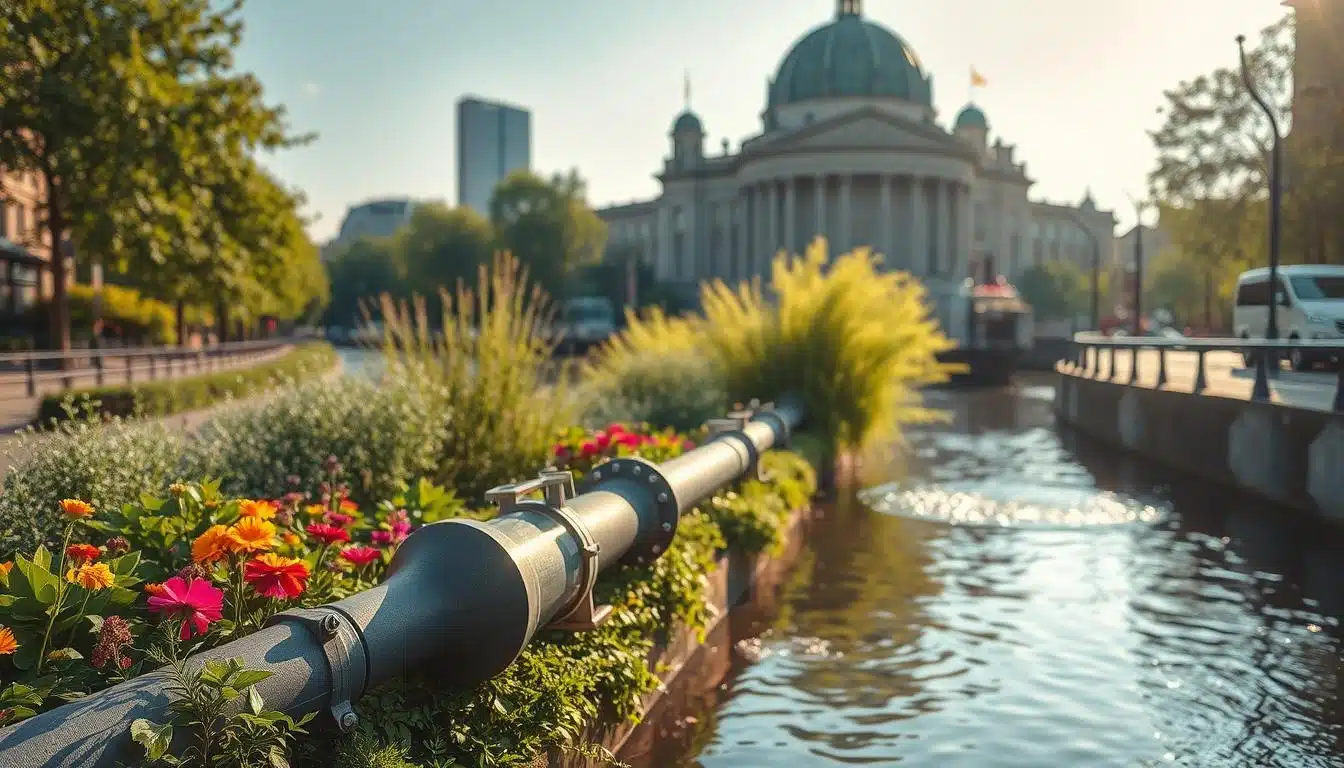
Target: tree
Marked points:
143	134
547	225
362	271
1056	289
442	246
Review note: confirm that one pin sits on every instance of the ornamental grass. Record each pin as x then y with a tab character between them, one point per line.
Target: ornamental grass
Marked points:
856	342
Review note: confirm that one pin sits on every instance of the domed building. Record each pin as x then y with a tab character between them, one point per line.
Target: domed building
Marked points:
851	149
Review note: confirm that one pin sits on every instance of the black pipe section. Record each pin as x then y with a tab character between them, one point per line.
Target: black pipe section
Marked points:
460	600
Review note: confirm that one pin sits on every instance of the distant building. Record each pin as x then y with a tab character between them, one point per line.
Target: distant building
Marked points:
25	245
1318	70
493	140
375	218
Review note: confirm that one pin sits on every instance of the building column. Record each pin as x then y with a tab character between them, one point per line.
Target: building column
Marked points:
739	249
953	241
884	224
919	228
772	225
663	257
791	215
937	228
962	267
846	228
819	204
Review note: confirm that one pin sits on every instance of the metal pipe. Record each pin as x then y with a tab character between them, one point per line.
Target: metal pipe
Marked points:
461	599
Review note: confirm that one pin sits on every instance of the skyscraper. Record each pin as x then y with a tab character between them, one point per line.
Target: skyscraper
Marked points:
493	140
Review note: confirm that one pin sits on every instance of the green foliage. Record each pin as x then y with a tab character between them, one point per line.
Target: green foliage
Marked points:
853	341
203	700
547	225
1056	289
385	432
106	462
144	136
189	393
140	319
489	364
678	390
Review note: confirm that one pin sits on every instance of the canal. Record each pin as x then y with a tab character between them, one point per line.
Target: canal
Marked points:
1007	595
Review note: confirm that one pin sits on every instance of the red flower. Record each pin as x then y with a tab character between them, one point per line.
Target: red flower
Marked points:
602	440
561	452
687	445
381	538
338	519
616	429
327	534
629	440
82	553
360	556
274	576
196	603
589	449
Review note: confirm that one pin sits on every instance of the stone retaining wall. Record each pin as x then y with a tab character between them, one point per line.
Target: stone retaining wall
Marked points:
1291	456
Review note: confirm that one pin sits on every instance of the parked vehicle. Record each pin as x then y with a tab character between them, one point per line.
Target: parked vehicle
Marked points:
1308	303
584	322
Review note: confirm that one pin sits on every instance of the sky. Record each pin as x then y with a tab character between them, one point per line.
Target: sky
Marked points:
1074	84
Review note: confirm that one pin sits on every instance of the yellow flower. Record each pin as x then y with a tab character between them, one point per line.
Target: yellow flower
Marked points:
292	539
8	644
211	546
76	509
251	535
315	510
262	510
6	567
91	576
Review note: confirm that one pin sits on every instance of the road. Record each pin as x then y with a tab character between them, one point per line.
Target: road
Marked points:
1227	377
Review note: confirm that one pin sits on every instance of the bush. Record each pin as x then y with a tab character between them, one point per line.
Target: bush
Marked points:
677	390
109	463
134	316
490	362
170	396
385	432
855	343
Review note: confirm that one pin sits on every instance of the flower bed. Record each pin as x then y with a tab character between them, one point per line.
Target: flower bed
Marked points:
141	587
189	393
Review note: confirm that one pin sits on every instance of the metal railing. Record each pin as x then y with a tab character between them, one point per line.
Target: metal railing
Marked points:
127	364
460	598
1263	355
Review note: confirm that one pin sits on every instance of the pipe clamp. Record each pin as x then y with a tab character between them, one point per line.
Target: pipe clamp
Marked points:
343	648
647	478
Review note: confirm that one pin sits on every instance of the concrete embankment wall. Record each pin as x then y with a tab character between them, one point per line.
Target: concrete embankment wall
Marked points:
1291	456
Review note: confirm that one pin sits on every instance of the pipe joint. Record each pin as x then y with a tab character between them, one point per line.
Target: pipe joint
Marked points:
633	478
346	655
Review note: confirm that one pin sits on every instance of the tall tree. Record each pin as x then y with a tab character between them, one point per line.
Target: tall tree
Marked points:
132	114
443	245
547	225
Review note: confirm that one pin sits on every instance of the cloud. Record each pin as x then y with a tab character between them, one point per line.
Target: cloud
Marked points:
312	90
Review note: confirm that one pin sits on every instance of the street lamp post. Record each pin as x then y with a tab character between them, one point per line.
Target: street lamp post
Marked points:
1139	207
1275	192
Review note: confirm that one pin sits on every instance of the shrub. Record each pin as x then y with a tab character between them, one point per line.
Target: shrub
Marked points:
108	463
386	432
678	390
134	316
170	396
854	342
490	362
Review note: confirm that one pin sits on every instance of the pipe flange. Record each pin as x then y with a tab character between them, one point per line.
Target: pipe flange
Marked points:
646	476
347	659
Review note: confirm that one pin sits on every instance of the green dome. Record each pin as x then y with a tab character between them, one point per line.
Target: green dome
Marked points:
851	57
687	122
972	117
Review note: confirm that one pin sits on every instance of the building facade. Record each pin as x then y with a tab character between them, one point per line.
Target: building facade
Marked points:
850	149
1318	71
375	218
25	244
493	140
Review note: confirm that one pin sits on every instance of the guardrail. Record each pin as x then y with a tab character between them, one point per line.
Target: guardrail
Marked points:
460	597
126	363
1088	348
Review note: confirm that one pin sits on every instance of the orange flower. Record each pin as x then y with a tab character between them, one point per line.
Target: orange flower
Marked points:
154	590
315	510
91	576
274	576
76	509
6	567
349	506
210	546
292	539
8	644
82	553
251	535
262	510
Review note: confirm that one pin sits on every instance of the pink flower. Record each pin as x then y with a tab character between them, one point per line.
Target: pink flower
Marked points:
327	534
400	530
381	538
360	556
339	520
602	440
629	440
616	429
196	603
589	449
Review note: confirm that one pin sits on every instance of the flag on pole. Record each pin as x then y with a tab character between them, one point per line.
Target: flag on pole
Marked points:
978	80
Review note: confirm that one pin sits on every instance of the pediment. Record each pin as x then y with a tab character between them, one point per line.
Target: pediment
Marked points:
868	131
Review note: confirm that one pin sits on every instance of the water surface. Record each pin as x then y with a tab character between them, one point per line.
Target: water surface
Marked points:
1010	597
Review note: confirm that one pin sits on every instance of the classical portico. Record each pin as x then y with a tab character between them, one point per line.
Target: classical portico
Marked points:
850	149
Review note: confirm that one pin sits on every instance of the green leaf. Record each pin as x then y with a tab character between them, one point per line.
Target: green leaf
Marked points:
126	564
215	673
42	558
96	623
155	738
277	757
249	677
254	701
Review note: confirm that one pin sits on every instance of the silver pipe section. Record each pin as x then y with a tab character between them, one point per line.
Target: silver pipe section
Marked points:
461	598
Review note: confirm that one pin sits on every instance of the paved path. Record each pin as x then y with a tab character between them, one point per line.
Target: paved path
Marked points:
17	409
1226	377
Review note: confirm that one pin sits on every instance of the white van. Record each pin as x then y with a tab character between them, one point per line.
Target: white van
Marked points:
1310	305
